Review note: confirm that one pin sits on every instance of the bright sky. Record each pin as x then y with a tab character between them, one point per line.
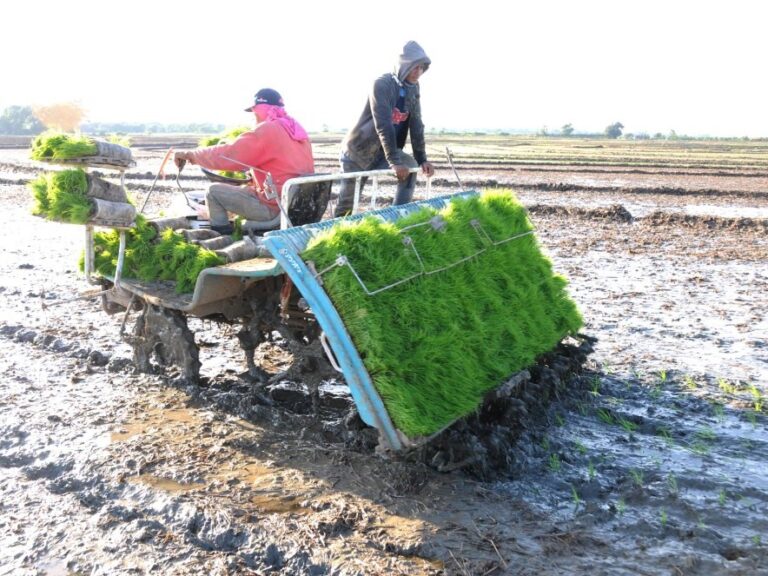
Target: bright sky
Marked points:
696	67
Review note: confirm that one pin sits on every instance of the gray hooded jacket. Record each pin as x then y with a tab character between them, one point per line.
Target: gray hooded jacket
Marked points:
375	134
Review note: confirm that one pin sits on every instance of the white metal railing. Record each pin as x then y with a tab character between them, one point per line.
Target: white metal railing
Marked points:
374	175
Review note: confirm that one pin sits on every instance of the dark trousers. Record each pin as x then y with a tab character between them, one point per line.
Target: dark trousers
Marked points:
346	199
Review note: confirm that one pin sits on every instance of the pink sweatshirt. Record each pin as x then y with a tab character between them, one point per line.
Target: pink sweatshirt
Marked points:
267	147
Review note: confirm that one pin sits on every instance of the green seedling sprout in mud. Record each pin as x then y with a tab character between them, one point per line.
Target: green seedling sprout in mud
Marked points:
554	463
674	490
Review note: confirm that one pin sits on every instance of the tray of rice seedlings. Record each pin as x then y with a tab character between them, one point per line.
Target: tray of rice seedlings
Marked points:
152	256
434	304
74	197
225	176
60	148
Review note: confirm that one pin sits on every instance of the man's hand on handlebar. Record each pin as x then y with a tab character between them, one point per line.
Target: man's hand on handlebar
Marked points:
401	171
180	159
427	169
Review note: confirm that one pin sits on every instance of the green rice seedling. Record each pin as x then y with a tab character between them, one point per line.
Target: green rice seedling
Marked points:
707	434
672	483
581	448
752	417
726	386
577	501
435	344
545	443
719	411
559	420
628	425
554	463
689	382
120	140
637	477
757	398
662	376
665	434
621	507
699	448
591	472
605	416
67	197
722	497
58	146
39	188
225	138
757	540
663	518
595	385
656	392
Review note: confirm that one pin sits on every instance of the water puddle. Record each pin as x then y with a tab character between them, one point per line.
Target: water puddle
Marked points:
165	484
156	419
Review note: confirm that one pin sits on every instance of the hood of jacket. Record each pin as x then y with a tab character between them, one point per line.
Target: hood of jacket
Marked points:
412	55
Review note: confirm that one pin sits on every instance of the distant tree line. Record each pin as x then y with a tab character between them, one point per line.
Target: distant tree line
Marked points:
24	120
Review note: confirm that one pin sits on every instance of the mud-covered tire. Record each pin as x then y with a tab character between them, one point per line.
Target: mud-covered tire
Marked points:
162	335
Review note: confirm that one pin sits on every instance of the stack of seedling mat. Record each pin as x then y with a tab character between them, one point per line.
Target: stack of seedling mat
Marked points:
443	304
156	251
73	195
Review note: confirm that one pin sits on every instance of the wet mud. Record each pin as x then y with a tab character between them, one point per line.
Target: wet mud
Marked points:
638	449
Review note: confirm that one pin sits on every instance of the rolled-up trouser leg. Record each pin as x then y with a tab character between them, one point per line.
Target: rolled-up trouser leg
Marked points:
347	189
241	200
406	187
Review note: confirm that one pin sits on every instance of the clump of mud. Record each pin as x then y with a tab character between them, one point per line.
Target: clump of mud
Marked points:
613	213
492	443
661	218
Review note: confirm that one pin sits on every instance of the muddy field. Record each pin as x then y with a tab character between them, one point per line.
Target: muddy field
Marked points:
649	457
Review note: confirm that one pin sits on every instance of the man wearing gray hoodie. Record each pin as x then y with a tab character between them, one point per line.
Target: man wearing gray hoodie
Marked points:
393	111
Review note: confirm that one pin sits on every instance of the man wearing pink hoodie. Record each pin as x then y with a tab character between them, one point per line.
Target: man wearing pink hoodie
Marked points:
277	146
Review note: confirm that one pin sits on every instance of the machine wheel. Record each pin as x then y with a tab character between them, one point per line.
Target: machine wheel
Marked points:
162	334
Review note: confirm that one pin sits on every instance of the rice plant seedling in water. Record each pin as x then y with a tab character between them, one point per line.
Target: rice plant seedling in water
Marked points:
582	449
436	344
706	433
559	420
575	495
621	507
726	386
672	483
664	433
554	463
637	477
591	472
605	416
628	425
595	385
757	540
722	497
662	376
663	518
690	383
